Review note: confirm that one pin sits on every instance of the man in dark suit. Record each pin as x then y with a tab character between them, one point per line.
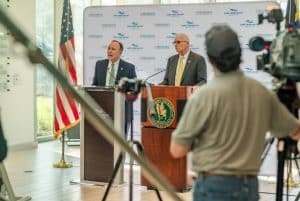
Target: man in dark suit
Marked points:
185	68
113	68
109	71
3	146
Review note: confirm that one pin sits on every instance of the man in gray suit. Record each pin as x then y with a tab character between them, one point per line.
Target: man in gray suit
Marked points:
185	68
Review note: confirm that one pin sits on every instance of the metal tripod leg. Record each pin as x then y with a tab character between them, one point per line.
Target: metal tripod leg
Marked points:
141	152
281	152
7	194
297	165
111	180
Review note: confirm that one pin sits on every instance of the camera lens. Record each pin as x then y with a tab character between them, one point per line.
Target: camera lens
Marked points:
256	43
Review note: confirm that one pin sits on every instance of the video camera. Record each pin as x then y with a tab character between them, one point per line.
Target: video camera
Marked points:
281	57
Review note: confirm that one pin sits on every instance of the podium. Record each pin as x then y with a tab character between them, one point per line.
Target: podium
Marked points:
158	124
97	155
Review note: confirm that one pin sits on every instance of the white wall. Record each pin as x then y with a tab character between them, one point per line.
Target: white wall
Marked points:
17	101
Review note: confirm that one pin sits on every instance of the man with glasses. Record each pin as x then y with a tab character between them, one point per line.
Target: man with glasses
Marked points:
185	68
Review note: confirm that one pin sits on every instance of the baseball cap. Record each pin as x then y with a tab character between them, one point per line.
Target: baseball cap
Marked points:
221	38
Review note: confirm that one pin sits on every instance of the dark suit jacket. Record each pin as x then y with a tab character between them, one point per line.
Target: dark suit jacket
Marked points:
125	69
194	71
3	145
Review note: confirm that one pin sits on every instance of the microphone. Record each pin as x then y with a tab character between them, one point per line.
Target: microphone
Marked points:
150	101
152	75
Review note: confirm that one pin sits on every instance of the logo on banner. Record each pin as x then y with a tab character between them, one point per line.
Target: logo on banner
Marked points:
121	13
248	23
171	35
159	25
120	36
189	24
219	23
95	36
162	47
109	25
147	36
204	12
148	14
135	25
162	113
175	13
233	12
134	46
194	48
93	57
145	58
96	15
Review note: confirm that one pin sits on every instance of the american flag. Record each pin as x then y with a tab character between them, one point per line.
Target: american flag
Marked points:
292	13
66	110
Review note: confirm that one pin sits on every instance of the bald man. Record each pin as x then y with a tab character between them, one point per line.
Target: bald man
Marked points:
185	68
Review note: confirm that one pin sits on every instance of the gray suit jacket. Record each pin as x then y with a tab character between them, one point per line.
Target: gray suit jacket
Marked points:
194	71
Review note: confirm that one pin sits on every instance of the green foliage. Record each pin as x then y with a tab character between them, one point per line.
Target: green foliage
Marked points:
45	115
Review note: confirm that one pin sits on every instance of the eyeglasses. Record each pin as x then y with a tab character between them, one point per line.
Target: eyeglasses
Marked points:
178	42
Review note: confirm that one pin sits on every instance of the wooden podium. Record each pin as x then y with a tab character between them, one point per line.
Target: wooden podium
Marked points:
97	155
156	141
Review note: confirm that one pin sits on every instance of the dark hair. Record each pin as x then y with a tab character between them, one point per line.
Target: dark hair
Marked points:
227	61
223	48
121	45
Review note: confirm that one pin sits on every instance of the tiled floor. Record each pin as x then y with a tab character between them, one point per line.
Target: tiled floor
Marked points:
31	173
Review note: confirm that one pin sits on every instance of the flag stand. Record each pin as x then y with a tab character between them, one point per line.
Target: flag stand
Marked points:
62	163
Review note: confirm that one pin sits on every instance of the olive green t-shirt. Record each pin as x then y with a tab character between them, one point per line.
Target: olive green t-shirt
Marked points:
225	122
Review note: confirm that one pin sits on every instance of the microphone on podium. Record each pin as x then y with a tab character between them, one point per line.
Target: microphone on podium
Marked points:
153	75
150	101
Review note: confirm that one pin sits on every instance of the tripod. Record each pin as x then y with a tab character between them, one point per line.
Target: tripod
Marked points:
140	151
286	148
286	153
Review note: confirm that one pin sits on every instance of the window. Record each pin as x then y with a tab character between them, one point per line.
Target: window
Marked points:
44	80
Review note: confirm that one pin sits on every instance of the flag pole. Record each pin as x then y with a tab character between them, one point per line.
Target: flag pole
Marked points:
66	113
62	163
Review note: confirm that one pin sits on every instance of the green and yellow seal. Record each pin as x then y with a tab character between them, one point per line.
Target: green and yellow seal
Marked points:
161	114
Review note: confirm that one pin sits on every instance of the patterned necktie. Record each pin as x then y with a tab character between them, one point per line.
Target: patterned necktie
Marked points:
179	71
111	81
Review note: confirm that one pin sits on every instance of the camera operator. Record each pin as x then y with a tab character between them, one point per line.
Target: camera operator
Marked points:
224	124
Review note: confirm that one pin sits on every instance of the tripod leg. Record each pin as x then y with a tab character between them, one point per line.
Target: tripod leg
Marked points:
111	180
280	169
130	179
141	152
297	165
298	197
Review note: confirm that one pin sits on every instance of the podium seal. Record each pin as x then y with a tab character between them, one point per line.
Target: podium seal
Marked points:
162	113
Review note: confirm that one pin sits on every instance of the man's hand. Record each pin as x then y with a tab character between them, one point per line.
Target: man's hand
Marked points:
296	134
178	151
